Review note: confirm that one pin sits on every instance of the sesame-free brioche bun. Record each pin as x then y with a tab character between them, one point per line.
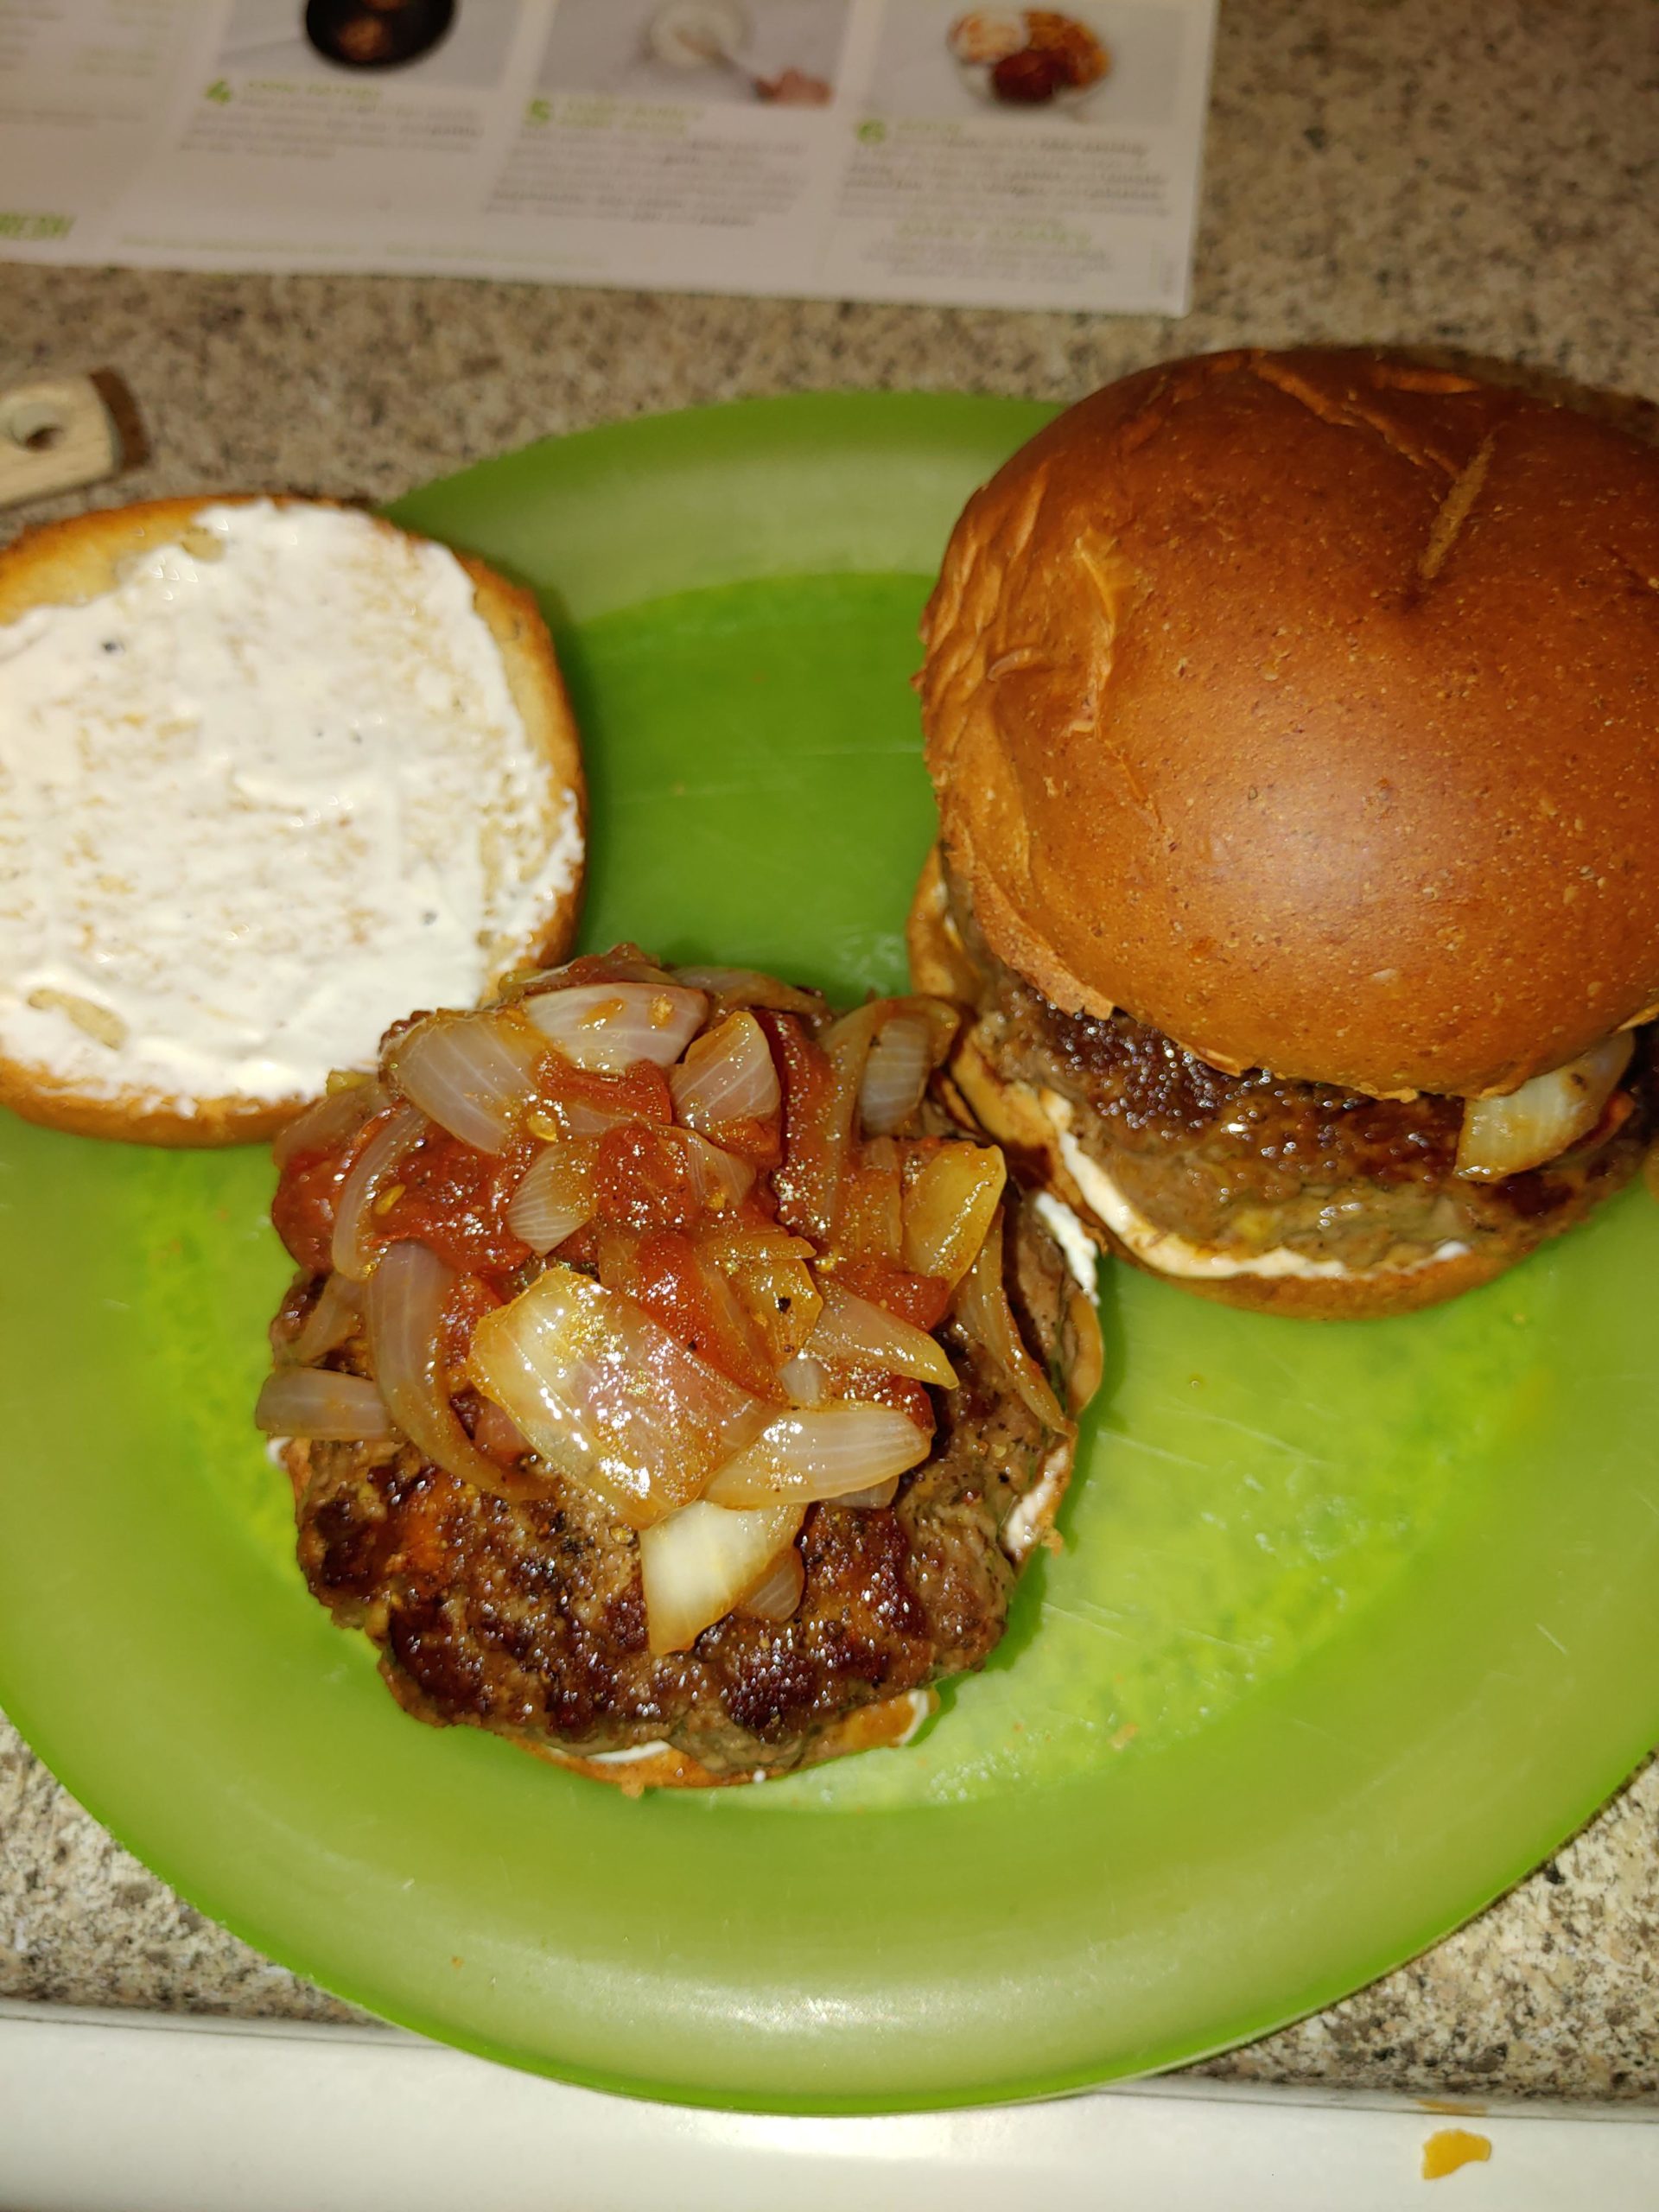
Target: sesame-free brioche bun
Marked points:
64	1057
1306	705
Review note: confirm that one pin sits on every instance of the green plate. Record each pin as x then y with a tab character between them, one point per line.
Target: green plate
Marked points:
1352	1625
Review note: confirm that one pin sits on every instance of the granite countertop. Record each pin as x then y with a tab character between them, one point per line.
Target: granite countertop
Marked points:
1480	177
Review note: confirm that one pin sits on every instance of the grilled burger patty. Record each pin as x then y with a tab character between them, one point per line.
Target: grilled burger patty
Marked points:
528	1619
670	1383
1250	1163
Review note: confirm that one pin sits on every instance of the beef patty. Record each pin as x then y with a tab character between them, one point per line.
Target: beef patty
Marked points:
1244	1165
528	1618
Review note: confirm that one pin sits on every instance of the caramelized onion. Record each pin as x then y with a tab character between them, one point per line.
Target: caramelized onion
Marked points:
623	964
823	1452
726	1075
579	1118
1505	1137
983	1311
769	1269
877	1495
895	1074
315	1401
820	1141
607	1397
328	1324
852	1328
403	1309
747	987
556	1195
870	1225
949	1208
354	1250
776	1596
695	1566
324	1126
474	1074
804	1380
719	1177
608	1027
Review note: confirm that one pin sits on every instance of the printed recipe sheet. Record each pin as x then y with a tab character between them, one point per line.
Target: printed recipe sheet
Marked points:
877	149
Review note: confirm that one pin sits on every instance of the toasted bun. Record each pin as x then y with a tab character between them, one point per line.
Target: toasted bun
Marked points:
1014	1114
70	564
1306	706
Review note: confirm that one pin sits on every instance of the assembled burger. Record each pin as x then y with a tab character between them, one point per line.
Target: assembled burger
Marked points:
1294	723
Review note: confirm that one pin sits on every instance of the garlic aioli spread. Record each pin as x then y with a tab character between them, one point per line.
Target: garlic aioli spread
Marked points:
255	807
1173	1254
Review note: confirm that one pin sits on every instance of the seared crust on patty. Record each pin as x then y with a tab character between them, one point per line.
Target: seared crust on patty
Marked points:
1243	1166
528	1619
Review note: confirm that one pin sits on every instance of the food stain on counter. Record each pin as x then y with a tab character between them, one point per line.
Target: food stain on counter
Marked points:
1449	2148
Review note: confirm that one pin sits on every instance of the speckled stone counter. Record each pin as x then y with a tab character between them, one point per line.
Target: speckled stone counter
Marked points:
1484	177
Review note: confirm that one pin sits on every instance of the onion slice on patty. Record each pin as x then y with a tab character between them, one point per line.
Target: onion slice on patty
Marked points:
854	1328
1537	1123
949	1209
606	1027
697	1565
895	1074
354	1249
556	1196
607	1397
728	1074
474	1074
315	1402
983	1310
404	1312
822	1452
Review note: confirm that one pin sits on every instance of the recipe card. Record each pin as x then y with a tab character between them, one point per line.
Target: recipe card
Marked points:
875	149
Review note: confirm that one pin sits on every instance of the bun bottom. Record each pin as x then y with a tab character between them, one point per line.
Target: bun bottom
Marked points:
1013	1113
872	1728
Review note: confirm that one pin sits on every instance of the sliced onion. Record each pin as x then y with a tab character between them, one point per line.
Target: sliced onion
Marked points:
695	1565
623	964
748	987
728	1074
1505	1137
820	1454
474	1074
895	1074
492	1433
804	1380
949	1208
819	1143
354	1250
870	1225
324	1126
315	1401
776	1596
852	1328
983	1311
877	1495
404	1308
769	1268
719	1177
330	1321
606	1027
556	1196
607	1397
581	1119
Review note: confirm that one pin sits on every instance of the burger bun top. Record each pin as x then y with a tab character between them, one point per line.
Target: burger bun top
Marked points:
1306	705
